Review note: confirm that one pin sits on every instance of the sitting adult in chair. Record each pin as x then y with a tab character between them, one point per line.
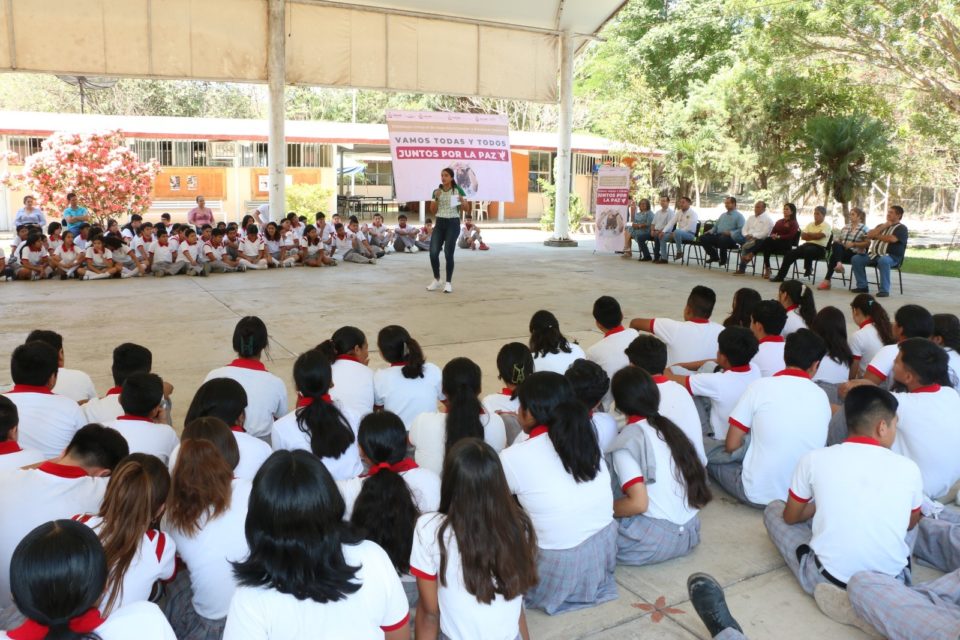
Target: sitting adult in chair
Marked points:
888	244
684	231
851	241
815	237
726	234
639	229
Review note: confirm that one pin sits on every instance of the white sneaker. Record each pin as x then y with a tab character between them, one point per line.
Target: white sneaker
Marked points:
390	248
448	288
434	286
126	274
414	249
86	276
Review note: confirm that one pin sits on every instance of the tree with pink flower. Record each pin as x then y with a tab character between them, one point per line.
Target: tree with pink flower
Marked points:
108	178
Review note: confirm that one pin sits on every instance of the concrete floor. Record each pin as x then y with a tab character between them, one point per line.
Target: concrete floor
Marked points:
188	323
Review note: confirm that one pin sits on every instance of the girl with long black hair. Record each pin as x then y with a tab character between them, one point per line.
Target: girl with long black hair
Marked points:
797	298
410	385
446	204
659	521
318	424
946	333
551	350
561	480
831	325
875	332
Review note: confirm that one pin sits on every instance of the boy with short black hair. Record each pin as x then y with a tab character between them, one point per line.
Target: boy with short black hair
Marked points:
163	254
73	383
379	235
142	402
128	359
423	237
12	456
470	237
766	322
405	236
609	351
910	321
692	341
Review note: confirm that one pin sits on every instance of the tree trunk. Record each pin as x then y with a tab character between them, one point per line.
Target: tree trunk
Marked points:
696	187
846	212
763	179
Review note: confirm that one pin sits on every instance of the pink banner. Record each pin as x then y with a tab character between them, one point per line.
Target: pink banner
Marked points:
610	203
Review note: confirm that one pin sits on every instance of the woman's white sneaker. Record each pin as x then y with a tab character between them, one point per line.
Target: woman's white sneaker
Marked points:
434	286
448	288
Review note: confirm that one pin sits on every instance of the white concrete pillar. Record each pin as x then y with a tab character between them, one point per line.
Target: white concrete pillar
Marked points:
276	71
561	224
500	213
423	212
6	220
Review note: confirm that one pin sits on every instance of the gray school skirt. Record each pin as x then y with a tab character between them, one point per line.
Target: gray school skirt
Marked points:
644	540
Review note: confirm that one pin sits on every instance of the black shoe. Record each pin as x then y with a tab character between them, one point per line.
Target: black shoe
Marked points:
860	290
710	260
806	274
645	260
883	294
706	596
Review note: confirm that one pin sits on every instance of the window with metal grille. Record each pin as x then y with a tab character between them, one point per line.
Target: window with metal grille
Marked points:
541	167
24	146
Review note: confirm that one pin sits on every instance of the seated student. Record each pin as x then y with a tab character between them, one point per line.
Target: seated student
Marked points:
410	385
140	243
946	333
177	236
815	237
217	258
718	393
48	421
470	237
590	384
225	399
378	235
433	434
693	340
97	262
342	243
266	393
289	244
744	299
125	257
849	241
778	436
65	260
130	230
650	354
231	242
33	259
928	432
251	250
551	350
58	488
312	252
405	236
514	365
849	506
271	240
205	516
888	244
318	424
831	326
138	553
349	356
659	520
83	236
324	228
424	235
53	239
190	254
900	612
875	332
797	299
609	351
69	555
361	243
910	321
163	256
73	383
478	594
561	480
128	358
766	322
12	456
308	572
142	402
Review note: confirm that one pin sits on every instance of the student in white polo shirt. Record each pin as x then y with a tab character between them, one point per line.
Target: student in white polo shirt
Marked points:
849	506
831	325
128	358
319	424
590	384
560	478
163	256
659	520
215	254
225	399
266	393
68	554
514	365
48	421
718	393
308	573
692	341
138	554
205	516
552	351
349	355
142	402
873	334
767	321
410	385
946	333
12	456
58	488
73	383
432	434
609	351
785	416
476	596
650	354
910	321
252	250
929	414
190	254
797	300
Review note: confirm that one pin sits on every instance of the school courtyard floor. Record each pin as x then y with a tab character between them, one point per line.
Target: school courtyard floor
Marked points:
188	323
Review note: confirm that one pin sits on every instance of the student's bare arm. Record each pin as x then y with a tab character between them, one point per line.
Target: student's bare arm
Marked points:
403	633
670	375
690	366
914	519
427	624
524	632
796	512
635	502
642	324
844	388
734	441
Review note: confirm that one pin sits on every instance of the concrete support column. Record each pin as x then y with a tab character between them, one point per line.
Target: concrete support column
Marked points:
561	218
423	212
276	70
6	220
500	212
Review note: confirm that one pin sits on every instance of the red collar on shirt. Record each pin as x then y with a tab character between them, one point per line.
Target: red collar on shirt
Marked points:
238	429
740	369
699	320
772	339
306	402
635	419
30	388
506	392
349	357
114	391
796	373
613	331
398	364
538	430
61	470
792	307
128	416
9	446
248	363
930	388
397	467
163	243
863	440
32	630
865	323
658	379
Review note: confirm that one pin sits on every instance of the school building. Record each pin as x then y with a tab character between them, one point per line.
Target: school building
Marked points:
226	160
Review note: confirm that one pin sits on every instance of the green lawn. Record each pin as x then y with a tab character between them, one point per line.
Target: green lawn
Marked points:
933	262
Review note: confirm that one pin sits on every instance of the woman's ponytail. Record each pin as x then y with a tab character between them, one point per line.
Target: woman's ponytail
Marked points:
461	386
575	440
397	347
414	359
386	514
690	471
330	433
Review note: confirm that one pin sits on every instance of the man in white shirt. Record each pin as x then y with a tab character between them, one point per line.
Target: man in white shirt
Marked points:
47	420
785	416
684	230
72	383
142	402
849	506
609	352
72	483
663	222
693	341
755	230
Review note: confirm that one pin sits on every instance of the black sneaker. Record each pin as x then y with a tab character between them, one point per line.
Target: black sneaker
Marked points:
706	596
883	294
860	290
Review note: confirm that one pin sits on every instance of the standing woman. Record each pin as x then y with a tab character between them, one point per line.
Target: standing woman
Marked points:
447	205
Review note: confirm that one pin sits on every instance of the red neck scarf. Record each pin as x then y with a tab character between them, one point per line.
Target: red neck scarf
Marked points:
84	623
537	431
397	467
635	419
613	331
306	402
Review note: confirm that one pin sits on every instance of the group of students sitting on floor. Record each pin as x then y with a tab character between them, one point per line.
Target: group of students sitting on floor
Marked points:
882	247
366	500
90	252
